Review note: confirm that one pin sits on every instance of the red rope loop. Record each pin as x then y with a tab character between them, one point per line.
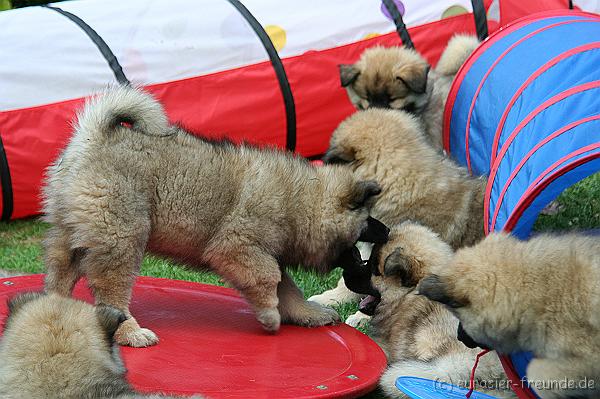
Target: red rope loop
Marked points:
472	379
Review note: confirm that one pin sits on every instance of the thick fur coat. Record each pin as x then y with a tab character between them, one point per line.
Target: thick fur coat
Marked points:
129	181
540	295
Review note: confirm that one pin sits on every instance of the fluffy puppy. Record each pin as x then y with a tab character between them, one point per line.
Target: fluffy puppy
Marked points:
540	295
59	348
400	78
418	183
128	181
419	335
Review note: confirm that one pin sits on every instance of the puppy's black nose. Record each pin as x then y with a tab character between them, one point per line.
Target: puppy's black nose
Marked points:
357	276
379	100
466	339
376	232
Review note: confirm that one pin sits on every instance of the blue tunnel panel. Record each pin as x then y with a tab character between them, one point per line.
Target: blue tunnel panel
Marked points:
574	71
546	91
478	70
571	110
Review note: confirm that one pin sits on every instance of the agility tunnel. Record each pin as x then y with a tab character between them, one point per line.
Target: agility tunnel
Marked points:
259	70
525	110
262	71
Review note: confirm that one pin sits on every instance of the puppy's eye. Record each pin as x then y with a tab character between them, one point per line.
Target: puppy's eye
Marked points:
337	160
362	192
410	108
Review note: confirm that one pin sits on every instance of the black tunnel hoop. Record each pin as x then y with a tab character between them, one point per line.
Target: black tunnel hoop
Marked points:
5	178
284	84
106	52
5	182
399	22
479	14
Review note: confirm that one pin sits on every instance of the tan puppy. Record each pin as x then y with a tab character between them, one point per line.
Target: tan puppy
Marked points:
418	182
128	181
541	295
400	78
59	348
417	334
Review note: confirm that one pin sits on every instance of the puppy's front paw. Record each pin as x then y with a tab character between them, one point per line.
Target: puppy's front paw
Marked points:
130	333
310	314
337	296
328	298
358	319
269	318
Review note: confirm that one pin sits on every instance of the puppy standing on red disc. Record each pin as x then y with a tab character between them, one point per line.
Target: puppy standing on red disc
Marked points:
128	181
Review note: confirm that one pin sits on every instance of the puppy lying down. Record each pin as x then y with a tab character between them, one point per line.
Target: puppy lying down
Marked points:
541	295
59	348
419	336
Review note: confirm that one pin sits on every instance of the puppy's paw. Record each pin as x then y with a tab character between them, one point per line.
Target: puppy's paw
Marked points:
358	319
130	333
336	296
328	298
310	314
269	318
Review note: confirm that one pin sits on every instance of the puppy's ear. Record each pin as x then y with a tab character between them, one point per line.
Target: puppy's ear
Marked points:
405	267
376	232
414	77
362	192
435	289
17	302
348	74
110	319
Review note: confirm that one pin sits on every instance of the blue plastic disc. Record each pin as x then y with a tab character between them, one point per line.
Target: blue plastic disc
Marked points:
420	388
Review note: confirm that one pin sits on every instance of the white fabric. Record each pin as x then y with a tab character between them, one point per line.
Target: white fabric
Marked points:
161	41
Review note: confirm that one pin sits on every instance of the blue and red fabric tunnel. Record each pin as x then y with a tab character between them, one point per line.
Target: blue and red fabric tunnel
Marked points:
525	110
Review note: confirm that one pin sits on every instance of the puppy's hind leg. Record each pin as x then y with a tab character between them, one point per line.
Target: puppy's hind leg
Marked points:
62	263
295	310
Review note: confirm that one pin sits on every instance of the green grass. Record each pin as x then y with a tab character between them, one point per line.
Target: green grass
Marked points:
580	208
20	245
20	250
5	5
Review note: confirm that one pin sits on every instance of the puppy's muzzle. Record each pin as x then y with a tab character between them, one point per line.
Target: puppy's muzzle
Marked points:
357	277
466	339
369	304
375	232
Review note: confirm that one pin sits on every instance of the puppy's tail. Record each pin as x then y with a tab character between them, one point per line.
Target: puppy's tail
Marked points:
123	105
456	53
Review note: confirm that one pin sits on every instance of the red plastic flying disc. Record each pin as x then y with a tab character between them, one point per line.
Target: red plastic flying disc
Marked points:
210	343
